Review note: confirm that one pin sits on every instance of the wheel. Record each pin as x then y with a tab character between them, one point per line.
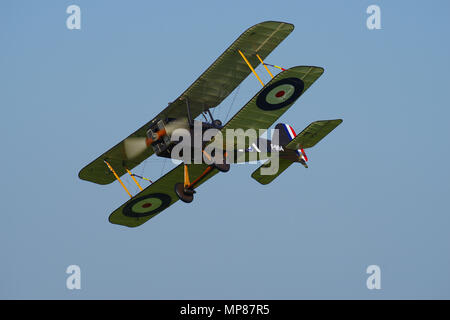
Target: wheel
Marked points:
184	195
217	123
222	167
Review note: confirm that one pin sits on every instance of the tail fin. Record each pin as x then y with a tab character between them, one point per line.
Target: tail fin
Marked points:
285	133
308	138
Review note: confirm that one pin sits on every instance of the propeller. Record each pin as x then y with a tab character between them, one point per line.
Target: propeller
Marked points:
135	146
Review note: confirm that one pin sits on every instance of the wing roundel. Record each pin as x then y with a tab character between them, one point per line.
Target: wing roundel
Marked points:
280	94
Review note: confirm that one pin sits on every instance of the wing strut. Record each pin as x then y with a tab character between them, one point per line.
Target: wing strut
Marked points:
267	69
251	68
117	177
134	179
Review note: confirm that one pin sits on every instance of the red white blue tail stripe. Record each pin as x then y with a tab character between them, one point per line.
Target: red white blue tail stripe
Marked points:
291	133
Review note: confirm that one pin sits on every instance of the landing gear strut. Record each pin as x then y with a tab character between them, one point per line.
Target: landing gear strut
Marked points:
222	167
185	191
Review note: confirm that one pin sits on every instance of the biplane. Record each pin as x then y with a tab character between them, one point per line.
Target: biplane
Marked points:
207	92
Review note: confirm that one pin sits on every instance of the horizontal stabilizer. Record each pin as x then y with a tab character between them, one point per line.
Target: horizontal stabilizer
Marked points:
313	133
268	175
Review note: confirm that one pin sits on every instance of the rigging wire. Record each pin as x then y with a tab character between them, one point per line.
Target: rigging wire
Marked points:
164	165
130	186
232	103
143	167
213	111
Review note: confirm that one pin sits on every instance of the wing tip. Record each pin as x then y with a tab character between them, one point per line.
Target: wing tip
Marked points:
320	69
124	224
84	176
289	26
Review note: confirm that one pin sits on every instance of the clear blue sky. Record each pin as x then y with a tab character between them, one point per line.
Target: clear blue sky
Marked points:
376	192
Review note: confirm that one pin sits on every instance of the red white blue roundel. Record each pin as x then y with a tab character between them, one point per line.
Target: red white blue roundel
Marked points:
280	94
147	205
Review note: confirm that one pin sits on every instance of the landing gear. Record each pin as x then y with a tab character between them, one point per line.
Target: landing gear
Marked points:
222	167
217	123
185	191
185	194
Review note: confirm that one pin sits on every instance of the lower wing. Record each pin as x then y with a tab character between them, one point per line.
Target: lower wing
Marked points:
157	197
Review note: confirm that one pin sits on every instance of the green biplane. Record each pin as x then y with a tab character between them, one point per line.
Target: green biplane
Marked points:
207	92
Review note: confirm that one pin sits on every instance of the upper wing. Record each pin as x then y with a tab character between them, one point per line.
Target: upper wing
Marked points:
229	70
208	91
156	197
273	100
313	133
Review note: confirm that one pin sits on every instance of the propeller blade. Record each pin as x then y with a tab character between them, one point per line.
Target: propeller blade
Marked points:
176	124
133	147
